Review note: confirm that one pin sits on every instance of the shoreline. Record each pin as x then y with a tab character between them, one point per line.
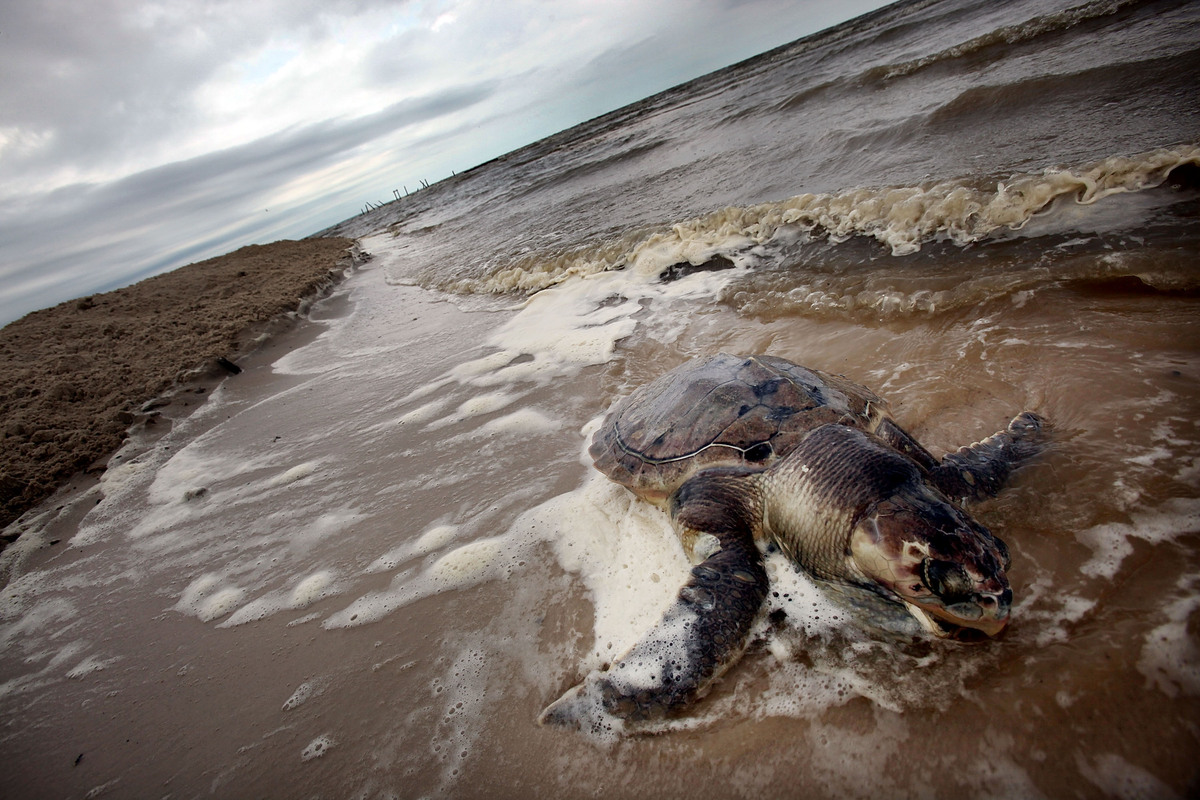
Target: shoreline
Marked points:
79	377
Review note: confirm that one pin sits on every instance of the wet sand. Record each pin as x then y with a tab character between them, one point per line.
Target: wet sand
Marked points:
77	376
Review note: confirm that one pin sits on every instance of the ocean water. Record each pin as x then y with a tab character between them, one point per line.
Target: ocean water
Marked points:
363	566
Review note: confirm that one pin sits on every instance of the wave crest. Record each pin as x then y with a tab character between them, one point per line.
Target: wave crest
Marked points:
1006	36
902	218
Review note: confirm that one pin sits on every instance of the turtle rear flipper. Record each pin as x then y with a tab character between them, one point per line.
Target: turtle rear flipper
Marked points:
979	471
702	633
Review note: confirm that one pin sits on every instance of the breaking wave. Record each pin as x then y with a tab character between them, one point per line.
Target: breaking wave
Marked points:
901	218
1004	37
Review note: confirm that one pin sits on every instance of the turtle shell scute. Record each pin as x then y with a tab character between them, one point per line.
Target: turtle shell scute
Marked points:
721	410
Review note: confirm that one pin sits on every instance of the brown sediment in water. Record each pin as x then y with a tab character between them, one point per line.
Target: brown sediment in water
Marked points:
73	378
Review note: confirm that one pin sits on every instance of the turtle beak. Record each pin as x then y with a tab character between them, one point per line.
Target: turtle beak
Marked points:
995	608
986	612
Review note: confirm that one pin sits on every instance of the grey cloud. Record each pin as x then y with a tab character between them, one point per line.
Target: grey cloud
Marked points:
398	60
98	79
91	81
87	238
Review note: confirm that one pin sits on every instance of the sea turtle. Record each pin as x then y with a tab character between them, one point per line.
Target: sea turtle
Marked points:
744	451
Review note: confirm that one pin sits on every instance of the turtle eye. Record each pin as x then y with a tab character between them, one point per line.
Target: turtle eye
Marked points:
946	579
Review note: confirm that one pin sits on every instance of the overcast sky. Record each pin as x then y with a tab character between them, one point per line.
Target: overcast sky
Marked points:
139	136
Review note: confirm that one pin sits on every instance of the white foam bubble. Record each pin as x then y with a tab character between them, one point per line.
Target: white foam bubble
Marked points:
433	539
56	658
476	369
578	323
117	476
1152	455
797	689
391	559
810	609
571	318
195	466
462	696
311	589
374	606
526	422
466	566
305	692
209	597
296	473
485	403
470	564
477	406
88	666
436	537
27	615
259	608
1118	778
623	549
1110	541
423	413
179	493
1170	657
307	591
323	527
1059	622
317	747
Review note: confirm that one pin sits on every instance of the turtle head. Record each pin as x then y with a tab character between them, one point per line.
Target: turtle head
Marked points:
944	566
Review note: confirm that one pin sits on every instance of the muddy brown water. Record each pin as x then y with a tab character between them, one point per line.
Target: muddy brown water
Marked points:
122	670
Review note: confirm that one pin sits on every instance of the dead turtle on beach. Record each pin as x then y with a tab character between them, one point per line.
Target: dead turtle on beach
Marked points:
750	450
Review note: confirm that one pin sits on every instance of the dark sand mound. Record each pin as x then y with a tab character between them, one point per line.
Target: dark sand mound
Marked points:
73	377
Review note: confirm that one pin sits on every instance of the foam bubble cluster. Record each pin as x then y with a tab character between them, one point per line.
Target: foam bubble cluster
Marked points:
317	748
209	597
1170	658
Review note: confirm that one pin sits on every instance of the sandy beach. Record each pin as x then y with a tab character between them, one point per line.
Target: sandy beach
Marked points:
78	375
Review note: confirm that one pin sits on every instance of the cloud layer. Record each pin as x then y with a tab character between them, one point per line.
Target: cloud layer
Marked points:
138	136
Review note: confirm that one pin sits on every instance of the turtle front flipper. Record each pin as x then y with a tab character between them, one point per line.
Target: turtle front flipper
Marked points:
703	632
979	471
